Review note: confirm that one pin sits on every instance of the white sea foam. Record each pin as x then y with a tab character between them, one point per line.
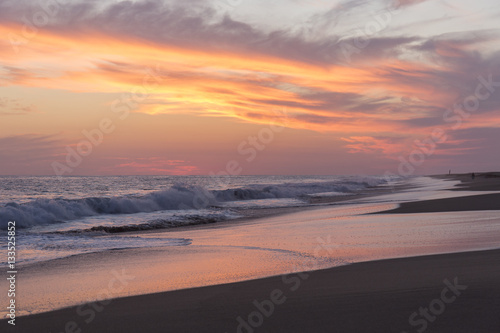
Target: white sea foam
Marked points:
47	210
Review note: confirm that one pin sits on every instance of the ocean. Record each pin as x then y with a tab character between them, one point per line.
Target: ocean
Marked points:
60	217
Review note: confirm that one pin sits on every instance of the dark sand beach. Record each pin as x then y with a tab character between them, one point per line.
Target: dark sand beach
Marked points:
487	181
481	182
457	292
375	296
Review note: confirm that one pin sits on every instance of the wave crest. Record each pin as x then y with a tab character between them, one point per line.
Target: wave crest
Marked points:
45	211
179	197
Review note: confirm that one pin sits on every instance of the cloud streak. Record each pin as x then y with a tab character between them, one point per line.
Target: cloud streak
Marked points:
394	90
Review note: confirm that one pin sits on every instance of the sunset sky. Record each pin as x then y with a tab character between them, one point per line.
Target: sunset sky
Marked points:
275	87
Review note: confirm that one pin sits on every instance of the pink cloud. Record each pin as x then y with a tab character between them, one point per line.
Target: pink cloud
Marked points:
372	145
152	166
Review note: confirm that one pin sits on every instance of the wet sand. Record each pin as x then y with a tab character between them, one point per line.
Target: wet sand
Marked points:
481	182
486	181
378	296
457	292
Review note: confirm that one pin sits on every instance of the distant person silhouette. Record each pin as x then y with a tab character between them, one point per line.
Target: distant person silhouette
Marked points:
473	175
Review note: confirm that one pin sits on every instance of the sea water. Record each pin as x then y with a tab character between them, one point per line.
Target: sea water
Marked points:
58	217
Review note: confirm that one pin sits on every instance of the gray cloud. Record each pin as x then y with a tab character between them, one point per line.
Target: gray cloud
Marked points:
480	145
405	3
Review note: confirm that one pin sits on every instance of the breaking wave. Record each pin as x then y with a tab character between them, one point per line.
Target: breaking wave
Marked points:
46	211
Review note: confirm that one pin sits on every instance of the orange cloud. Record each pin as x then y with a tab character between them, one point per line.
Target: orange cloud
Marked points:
358	101
241	85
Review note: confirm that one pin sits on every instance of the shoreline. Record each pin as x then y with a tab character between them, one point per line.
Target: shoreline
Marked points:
261	213
470	203
484	181
477	202
253	214
193	296
374	296
250	216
